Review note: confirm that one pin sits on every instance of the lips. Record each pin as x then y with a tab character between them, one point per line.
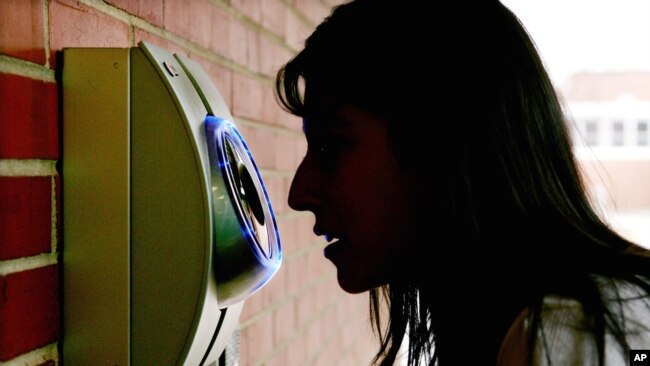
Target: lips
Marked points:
329	235
334	240
333	250
330	238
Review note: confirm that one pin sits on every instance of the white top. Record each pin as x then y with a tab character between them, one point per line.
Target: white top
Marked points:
562	340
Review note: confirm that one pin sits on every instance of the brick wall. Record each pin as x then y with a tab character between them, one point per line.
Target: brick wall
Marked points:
301	317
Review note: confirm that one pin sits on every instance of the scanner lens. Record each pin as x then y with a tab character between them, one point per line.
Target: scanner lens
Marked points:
248	196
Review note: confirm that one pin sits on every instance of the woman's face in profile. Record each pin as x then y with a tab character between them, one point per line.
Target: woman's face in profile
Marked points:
352	182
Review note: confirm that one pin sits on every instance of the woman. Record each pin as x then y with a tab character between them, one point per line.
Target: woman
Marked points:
440	167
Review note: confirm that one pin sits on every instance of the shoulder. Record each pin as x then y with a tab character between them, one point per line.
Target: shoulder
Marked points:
514	348
557	339
563	337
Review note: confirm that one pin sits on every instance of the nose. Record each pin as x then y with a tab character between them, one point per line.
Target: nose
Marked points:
304	192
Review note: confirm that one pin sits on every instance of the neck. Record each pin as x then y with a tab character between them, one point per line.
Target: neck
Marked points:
467	319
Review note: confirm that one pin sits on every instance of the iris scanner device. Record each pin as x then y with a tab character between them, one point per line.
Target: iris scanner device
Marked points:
167	225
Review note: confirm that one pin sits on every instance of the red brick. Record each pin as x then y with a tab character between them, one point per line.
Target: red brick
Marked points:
59	222
305	308
246	97
281	56
295	269
316	264
237	37
290	122
275	290
288	232
25	216
306	234
273	56
279	359
177	17
274	188
296	31
190	19
314	339
347	307
149	10
270	109
260	334
315	11
330	319
22	30
141	35
220	30
336	349
321	300
253	50
252	306
283	323
250	8
73	24
29	122
333	290
347	332
365	344
262	145
200	20
333	3
287	187
29	309
286	157
327	357
298	354
347	359
283	202
244	346
302	149
273	14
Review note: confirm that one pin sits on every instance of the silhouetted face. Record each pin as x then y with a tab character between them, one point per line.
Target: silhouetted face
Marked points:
351	181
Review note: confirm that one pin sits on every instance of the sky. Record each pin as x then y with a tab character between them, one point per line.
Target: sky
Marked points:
587	35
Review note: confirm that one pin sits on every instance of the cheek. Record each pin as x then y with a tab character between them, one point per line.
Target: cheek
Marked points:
374	246
373	193
376	210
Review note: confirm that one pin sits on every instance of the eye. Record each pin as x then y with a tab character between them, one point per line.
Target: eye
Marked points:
326	148
324	142
323	147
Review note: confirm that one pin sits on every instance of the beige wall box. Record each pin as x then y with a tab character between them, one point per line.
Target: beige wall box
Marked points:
167	225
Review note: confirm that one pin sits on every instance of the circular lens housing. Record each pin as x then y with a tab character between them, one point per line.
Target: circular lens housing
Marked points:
245	188
247	251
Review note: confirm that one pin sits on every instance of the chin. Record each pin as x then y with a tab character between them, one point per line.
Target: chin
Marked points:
355	284
352	289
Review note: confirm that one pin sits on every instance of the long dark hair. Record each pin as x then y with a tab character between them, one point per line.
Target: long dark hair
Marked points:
506	188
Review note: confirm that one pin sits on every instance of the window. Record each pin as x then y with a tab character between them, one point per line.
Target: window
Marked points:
618	136
642	133
591	133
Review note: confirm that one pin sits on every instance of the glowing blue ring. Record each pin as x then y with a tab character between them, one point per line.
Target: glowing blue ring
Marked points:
240	271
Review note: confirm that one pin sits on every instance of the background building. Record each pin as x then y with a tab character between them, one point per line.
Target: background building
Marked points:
610	116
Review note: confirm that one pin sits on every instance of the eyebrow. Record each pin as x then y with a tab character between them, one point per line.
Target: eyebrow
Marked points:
328	121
